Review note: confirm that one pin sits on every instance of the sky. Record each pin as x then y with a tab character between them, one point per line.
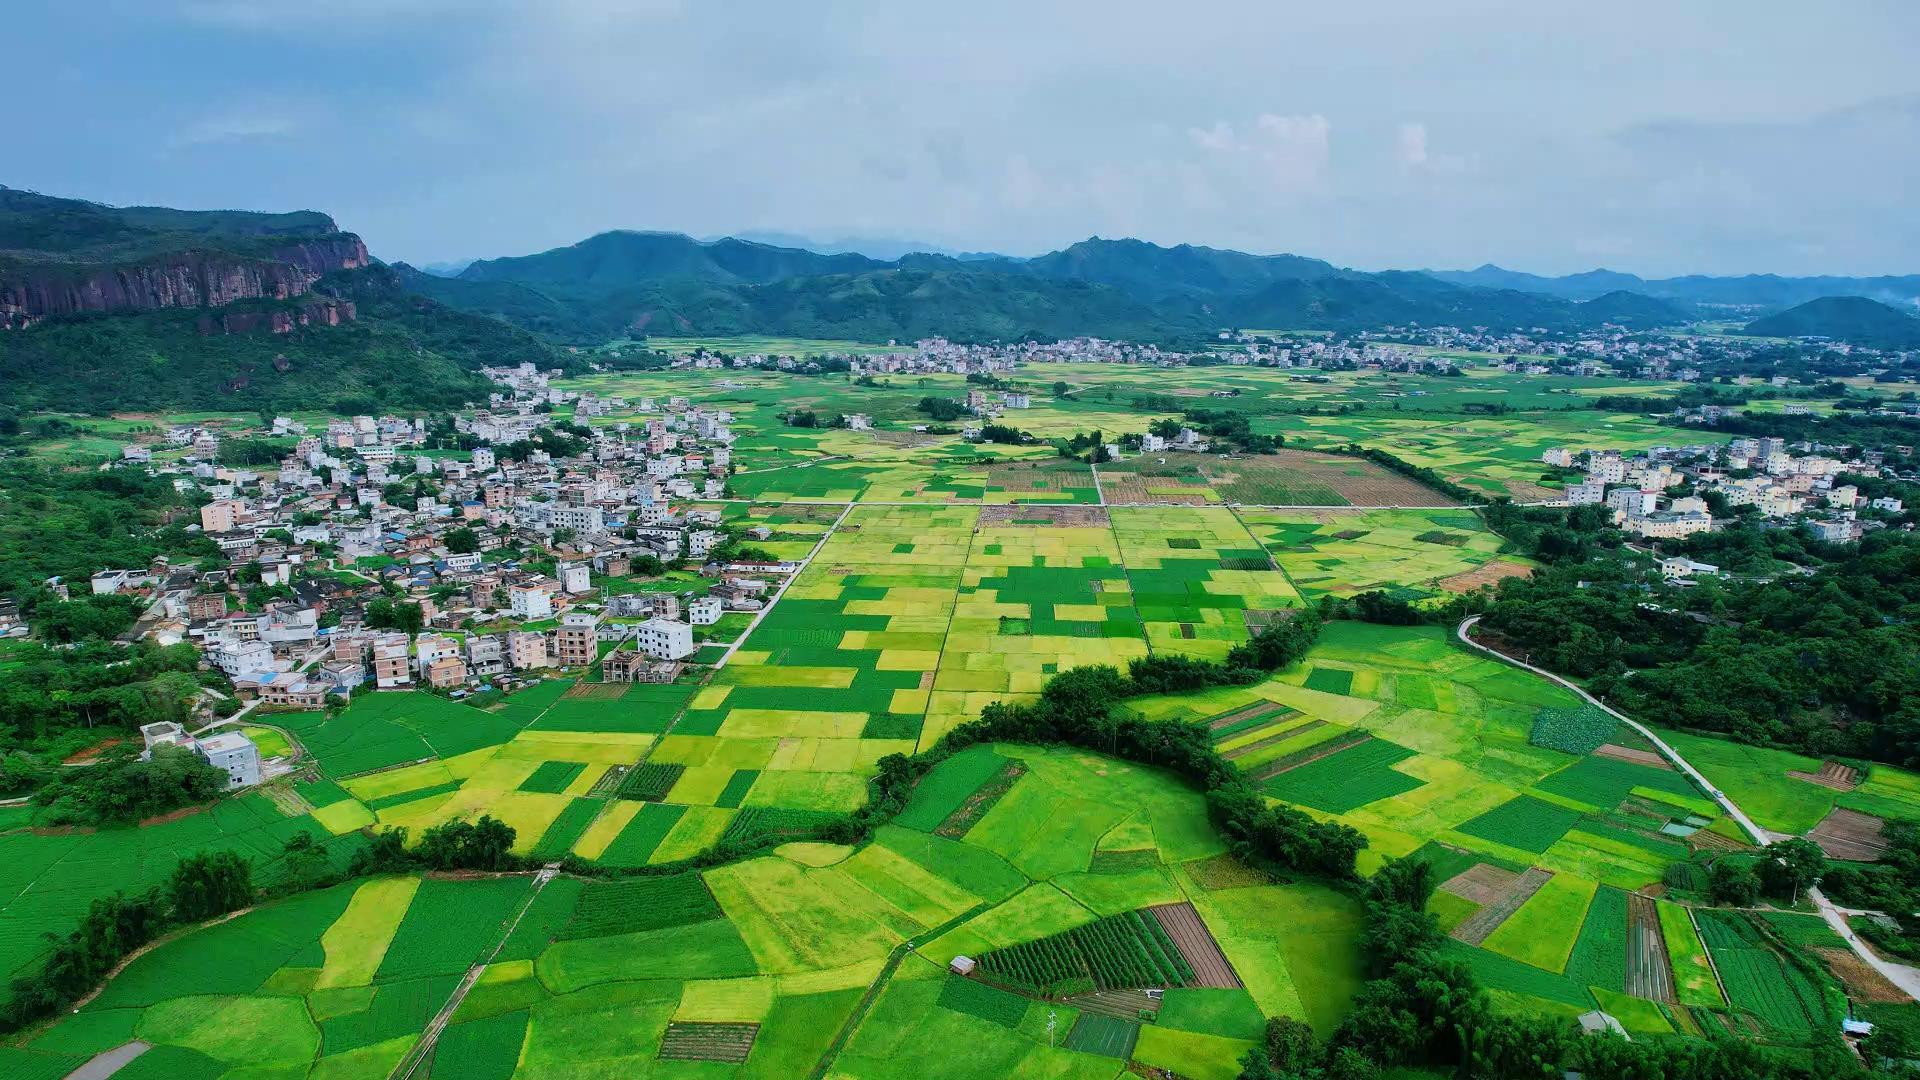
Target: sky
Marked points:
1663	138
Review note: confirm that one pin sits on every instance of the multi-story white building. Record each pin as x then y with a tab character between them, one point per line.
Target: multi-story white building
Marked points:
532	600
704	611
667	639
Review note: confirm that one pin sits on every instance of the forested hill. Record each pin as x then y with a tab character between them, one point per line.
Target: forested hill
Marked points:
627	282
139	308
396	349
1843	318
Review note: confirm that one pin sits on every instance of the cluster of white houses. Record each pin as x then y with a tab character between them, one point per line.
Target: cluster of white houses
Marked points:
1801	483
517	560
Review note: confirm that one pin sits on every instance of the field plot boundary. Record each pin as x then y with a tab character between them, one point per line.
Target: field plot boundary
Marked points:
1211	968
1649	965
1477	927
688	1040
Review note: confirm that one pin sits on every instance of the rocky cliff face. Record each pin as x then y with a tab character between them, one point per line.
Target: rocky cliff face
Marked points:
188	279
316	313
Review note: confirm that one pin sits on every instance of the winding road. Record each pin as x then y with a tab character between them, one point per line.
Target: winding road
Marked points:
1905	977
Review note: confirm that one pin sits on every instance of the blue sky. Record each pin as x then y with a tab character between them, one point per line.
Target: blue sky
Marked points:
1660	138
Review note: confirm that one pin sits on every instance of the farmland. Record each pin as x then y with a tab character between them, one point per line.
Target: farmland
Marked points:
962	575
757	963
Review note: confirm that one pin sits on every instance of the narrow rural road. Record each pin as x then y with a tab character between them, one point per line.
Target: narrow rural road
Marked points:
1905	977
782	590
422	1051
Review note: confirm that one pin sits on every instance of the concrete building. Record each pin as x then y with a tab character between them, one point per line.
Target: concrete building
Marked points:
577	642
704	611
392	662
532	600
527	650
233	754
575	579
667	639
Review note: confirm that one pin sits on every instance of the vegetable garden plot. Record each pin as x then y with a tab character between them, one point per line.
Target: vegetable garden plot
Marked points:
643	903
730	1043
1526	823
642	836
449	924
1115	953
1758	979
651	782
1094	1033
1600	953
1346	780
986	1002
566	829
943	789
486	1049
1580	730
1604	783
552	777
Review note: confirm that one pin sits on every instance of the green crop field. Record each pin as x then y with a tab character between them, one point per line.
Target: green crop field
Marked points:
949	576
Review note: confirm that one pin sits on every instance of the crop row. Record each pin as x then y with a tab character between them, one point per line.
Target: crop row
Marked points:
641	903
1114	953
651	782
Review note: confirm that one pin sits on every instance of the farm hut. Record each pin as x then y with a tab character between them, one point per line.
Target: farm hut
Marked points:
1597	1022
962	965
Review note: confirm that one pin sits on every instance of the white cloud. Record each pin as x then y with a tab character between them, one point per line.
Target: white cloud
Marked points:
1413	144
243	124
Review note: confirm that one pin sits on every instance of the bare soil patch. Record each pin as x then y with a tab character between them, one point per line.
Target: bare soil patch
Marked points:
593	691
1851	835
1481	883
1628	753
1861	980
1043	516
1195	942
730	1043
1476	927
1306	477
1487	573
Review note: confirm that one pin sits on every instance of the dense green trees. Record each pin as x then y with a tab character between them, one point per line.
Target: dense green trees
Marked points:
45	691
1828	662
201	887
119	788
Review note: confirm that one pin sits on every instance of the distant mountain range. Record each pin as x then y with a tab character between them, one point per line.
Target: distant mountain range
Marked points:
143	307
666	283
1752	291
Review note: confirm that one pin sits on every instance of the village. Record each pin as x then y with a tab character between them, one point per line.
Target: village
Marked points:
1675	492
487	574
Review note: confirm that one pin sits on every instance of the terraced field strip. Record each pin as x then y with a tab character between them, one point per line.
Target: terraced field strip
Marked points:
1310	755
1649	968
687	1041
1190	935
1477	926
1279	736
1259	710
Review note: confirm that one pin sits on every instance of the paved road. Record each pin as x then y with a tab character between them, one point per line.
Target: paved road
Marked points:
1906	978
108	1062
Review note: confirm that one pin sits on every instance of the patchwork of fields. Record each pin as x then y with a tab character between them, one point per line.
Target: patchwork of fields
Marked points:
761	968
1411	555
